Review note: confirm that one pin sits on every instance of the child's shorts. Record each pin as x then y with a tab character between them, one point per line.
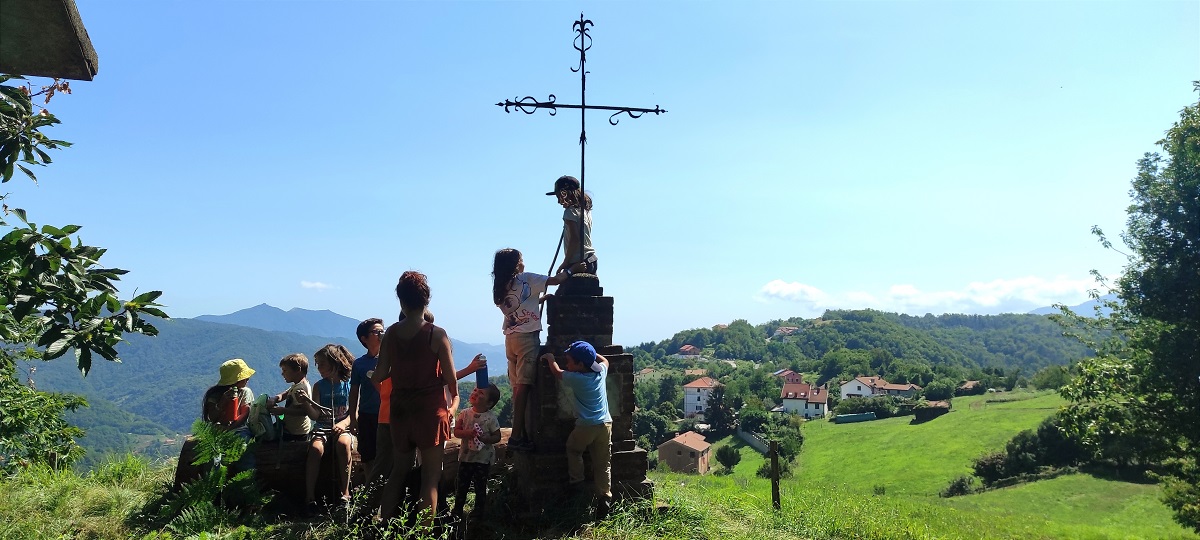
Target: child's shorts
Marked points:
325	435
288	437
522	349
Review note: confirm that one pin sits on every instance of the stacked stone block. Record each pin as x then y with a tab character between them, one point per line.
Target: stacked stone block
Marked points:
579	311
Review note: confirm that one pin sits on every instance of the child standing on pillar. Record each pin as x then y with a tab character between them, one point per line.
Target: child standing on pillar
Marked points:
578	254
517	293
479	430
585	375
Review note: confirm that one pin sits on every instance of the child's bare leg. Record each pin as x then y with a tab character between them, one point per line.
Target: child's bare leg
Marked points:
519	401
344	455
402	463
316	449
431	473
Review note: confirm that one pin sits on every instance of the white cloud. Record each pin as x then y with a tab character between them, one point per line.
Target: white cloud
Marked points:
996	296
794	292
315	285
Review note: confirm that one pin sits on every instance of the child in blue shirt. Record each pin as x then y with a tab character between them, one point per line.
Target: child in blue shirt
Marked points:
585	375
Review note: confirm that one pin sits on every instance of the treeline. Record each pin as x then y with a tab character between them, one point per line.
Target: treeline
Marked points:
995	349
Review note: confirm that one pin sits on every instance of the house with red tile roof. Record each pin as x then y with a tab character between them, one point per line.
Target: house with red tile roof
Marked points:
875	386
804	399
789	376
687	452
696	394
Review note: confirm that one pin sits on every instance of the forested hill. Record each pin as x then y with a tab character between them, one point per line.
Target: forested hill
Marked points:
161	378
902	348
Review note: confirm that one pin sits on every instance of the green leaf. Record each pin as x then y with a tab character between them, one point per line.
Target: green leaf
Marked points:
155	312
146	298
28	172
70	229
84	360
112	303
57	348
53	231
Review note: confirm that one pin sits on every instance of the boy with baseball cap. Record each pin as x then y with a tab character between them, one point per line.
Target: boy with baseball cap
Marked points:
585	375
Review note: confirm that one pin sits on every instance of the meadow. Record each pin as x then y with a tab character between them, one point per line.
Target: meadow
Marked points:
872	480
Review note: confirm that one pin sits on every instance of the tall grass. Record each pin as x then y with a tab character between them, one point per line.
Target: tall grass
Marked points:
42	503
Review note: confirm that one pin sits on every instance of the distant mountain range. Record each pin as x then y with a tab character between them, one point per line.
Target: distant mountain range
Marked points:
1087	309
342	329
156	387
305	322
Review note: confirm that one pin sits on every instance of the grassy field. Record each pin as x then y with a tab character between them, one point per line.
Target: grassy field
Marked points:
917	459
832	496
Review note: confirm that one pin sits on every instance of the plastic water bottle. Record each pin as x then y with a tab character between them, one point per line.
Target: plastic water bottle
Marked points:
481	376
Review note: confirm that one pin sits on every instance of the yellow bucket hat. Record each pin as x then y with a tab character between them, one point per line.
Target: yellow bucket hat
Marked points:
233	371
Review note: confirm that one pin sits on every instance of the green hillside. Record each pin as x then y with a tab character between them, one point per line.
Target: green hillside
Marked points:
841	344
842	468
162	378
918	459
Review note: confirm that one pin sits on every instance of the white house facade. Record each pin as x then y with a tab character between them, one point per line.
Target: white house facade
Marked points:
696	394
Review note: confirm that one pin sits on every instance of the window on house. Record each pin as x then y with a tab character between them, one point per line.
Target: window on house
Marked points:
860	387
679	452
693	454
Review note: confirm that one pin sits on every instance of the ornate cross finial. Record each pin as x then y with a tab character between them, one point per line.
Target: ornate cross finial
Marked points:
528	104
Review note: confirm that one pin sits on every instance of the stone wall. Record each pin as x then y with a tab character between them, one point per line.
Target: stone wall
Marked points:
579	311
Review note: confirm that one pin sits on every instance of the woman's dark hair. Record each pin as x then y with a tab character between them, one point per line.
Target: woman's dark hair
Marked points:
413	289
504	269
215	390
338	357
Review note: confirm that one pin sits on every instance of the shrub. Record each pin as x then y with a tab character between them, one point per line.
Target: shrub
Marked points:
785	469
728	457
882	406
963	485
990	467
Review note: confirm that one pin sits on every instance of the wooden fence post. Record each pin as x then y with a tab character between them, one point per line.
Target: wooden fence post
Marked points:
775	474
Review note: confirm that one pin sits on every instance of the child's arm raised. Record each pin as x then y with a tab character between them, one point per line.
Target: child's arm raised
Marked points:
559	278
557	371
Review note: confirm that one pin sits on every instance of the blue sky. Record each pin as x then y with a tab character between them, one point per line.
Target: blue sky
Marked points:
922	157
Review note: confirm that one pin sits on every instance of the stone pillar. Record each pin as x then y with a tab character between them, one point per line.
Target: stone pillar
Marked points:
579	311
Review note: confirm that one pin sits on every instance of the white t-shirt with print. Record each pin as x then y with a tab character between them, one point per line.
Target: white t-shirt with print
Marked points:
520	303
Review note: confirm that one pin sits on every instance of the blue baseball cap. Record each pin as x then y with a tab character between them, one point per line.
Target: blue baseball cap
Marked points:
582	352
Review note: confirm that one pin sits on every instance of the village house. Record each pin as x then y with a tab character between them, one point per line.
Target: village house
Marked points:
699	372
785	331
805	400
687	352
696	394
687	452
875	386
789	376
969	388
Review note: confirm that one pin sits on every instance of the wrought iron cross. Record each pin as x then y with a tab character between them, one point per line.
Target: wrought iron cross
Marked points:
529	105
